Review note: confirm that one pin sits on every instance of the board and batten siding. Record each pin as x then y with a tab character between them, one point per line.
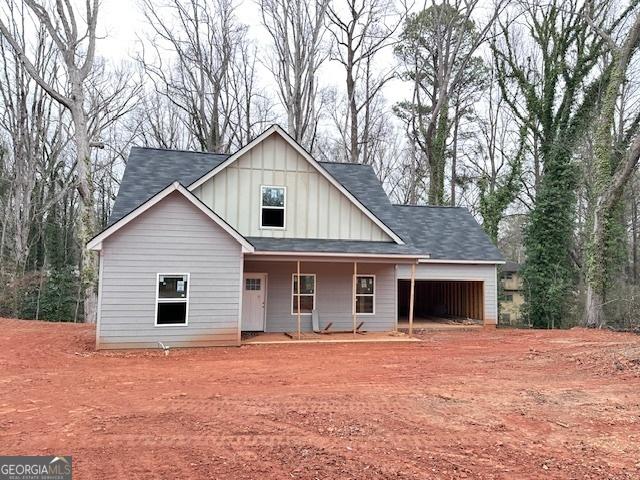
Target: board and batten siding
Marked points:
486	274
314	207
171	237
333	295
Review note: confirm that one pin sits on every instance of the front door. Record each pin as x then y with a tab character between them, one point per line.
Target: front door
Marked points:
253	301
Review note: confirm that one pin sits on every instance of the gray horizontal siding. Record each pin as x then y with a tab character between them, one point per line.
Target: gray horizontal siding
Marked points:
462	272
171	237
334	283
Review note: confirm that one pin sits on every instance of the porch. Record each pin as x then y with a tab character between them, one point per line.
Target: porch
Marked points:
338	298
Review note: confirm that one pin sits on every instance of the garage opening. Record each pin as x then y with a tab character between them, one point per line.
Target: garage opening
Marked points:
435	300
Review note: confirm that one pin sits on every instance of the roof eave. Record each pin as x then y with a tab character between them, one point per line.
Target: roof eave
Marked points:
463	261
310	253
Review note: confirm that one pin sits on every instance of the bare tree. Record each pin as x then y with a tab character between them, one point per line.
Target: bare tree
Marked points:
77	50
112	95
160	123
252	111
361	29
492	159
27	117
208	46
297	29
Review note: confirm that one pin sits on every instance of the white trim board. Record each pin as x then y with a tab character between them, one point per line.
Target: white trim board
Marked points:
184	300
265	291
99	312
307	156
240	293
283	208
314	295
466	262
372	295
96	242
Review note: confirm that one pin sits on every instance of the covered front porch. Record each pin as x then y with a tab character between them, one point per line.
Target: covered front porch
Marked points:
338	298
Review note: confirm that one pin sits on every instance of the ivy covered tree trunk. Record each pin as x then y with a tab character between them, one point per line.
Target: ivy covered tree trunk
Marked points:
561	100
548	271
437	48
437	157
607	230
497	194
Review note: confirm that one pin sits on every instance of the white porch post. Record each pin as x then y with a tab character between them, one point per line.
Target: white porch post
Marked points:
353	300
411	297
298	293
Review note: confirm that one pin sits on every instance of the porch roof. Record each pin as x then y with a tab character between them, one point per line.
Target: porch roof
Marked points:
356	247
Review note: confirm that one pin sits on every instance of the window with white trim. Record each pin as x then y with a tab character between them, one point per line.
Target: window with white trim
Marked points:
272	206
365	294
307	293
172	299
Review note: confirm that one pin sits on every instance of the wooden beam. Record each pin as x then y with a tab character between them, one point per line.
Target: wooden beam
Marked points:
411	297
353	300
481	305
298	292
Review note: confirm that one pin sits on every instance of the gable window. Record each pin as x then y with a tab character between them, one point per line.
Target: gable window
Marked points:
272	207
307	294
365	294
172	299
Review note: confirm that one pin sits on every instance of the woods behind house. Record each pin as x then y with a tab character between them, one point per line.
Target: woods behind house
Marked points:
526	113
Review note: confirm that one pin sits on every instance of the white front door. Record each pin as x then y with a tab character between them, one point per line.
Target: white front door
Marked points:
254	289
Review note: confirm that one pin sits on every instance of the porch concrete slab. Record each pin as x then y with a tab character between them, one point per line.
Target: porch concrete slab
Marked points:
310	337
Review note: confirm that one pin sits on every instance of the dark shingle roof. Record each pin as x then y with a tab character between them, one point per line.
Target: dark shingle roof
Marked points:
330	246
447	233
362	183
442	233
149	170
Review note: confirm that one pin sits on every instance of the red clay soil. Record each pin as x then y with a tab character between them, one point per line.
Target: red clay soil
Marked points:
496	404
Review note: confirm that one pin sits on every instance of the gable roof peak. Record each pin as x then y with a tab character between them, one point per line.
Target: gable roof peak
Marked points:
312	161
96	242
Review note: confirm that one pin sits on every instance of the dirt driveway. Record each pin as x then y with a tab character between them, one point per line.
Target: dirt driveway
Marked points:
502	404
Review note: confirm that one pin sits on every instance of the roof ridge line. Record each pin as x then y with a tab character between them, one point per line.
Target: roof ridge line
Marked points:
178	150
344	163
428	206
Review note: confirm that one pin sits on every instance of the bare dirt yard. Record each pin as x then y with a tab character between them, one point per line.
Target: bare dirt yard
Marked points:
492	404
